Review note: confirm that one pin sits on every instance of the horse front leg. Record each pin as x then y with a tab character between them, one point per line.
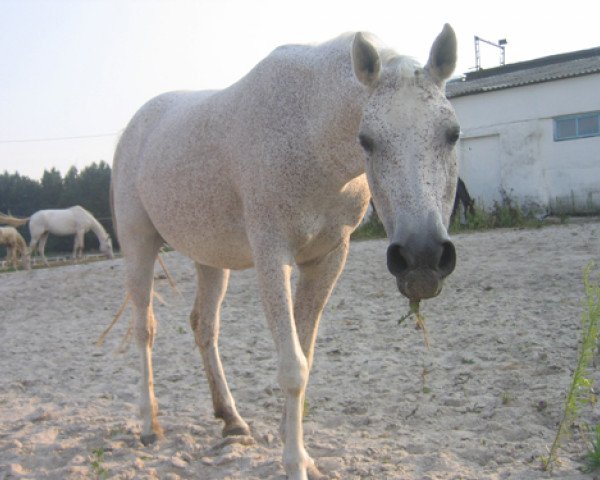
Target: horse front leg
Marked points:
78	245
205	322
26	260
315	284
11	256
274	272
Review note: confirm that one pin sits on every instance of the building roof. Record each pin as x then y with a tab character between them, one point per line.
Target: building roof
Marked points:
545	69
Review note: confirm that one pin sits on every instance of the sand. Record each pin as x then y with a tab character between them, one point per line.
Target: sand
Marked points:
482	402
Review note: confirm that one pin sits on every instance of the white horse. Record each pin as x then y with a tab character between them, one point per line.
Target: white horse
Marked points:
277	170
69	221
15	246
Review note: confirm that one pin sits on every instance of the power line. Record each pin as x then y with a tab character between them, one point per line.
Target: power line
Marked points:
57	139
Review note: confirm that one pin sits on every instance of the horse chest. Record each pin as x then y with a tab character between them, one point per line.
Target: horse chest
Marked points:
330	220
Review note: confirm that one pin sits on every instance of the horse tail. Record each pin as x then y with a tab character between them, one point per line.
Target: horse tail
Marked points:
111	202
14	221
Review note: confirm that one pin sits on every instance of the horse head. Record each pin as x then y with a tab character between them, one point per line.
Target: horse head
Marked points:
409	132
26	259
106	247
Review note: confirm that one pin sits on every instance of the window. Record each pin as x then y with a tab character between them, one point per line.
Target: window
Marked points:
577	126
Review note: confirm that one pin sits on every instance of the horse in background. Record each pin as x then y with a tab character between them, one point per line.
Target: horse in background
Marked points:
69	221
462	196
15	246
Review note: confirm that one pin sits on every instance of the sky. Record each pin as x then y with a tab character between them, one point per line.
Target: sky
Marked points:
73	72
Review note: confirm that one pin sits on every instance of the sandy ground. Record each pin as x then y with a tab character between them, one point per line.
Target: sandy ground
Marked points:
482	402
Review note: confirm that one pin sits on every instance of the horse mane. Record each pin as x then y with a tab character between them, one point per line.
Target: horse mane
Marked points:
402	65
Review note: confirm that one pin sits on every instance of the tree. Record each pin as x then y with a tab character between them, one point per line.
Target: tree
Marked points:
52	188
19	196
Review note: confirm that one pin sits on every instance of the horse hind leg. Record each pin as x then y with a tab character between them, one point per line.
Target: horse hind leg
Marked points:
205	321
75	248
140	254
41	245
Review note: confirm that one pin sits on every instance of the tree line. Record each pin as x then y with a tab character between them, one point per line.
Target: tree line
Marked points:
21	196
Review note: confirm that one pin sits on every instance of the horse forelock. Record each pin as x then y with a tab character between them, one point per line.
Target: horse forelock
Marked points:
403	71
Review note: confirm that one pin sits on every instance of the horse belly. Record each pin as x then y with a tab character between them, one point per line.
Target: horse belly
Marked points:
60	225
214	248
62	230
205	224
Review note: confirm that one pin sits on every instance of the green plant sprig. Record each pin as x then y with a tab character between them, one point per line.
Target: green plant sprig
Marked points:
580	391
99	470
420	319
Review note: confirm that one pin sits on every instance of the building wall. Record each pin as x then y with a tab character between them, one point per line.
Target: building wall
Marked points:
507	146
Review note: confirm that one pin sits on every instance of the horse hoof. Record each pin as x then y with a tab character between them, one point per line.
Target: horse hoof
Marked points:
313	472
236	430
149	439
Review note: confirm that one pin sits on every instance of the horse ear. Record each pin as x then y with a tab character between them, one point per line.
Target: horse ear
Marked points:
365	60
442	57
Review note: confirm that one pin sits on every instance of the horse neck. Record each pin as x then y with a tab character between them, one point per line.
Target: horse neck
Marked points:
21	245
335	105
337	125
98	229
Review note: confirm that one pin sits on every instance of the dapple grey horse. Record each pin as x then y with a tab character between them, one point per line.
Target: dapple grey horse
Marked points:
276	171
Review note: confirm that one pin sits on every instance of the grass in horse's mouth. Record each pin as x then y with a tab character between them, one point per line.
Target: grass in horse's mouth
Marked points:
420	319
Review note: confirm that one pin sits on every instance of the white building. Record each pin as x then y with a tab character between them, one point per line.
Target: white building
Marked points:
531	130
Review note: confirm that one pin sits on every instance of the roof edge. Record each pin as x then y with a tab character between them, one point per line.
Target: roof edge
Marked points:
536	62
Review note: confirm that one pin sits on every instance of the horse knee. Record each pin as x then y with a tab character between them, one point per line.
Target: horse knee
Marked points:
292	374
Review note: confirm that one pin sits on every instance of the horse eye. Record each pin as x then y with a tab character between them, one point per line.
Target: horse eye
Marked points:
366	143
452	135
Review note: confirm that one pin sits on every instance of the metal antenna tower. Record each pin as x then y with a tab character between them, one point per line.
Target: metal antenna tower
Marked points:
501	45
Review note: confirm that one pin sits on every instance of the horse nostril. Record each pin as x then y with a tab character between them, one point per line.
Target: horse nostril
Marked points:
447	259
396	260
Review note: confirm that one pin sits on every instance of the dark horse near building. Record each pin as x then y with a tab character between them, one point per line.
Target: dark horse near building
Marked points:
462	196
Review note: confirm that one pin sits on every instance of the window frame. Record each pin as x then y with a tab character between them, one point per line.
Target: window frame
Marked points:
577	118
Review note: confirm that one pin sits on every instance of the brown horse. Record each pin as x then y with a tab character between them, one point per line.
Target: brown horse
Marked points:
15	245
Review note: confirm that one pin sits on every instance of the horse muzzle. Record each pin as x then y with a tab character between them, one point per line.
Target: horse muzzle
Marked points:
420	270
